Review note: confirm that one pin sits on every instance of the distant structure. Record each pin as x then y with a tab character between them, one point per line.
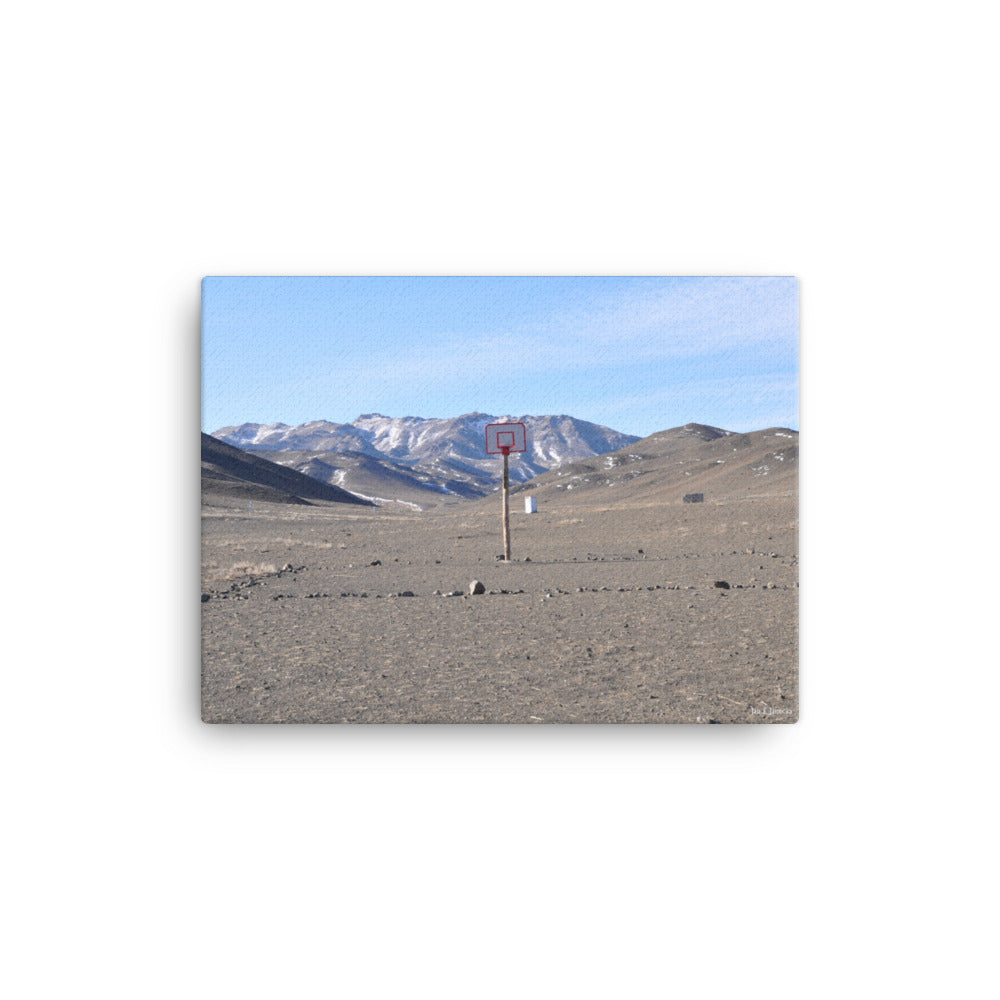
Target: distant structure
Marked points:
530	505
694	497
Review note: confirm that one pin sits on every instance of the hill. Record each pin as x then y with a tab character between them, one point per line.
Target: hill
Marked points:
666	466
229	474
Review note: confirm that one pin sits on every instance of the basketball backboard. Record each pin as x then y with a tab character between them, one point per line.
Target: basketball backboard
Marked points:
502	439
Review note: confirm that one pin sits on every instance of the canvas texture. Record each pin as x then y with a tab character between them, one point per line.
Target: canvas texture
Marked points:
631	559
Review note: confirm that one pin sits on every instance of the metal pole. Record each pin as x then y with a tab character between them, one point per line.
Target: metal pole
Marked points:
506	510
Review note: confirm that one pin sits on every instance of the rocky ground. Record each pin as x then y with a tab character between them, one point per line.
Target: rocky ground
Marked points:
657	613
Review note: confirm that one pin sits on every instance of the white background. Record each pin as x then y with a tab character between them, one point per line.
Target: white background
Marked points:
146	854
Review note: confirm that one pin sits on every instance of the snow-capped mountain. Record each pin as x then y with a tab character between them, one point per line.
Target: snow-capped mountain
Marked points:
436	456
317	435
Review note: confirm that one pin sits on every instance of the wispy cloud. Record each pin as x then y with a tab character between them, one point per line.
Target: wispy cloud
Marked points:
578	345
677	318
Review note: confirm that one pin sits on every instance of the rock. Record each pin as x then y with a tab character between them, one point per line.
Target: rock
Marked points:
407	593
721	585
476	587
205	597
375	562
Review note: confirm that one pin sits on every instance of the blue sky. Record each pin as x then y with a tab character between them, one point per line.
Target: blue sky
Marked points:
638	354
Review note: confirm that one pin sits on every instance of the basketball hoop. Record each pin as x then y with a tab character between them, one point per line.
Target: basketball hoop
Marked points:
502	439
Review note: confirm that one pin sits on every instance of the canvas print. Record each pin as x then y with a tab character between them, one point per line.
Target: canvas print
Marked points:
500	500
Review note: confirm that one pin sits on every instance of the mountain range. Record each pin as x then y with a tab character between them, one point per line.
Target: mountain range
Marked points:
418	461
423	463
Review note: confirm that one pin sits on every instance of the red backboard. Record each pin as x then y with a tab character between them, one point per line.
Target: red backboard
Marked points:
502	439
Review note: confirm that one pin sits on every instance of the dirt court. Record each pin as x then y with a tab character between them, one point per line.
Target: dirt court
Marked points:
333	614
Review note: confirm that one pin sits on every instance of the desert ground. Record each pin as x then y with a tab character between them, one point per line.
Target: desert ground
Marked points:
646	613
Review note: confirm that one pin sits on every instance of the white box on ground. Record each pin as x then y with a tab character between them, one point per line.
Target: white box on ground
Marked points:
530	505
